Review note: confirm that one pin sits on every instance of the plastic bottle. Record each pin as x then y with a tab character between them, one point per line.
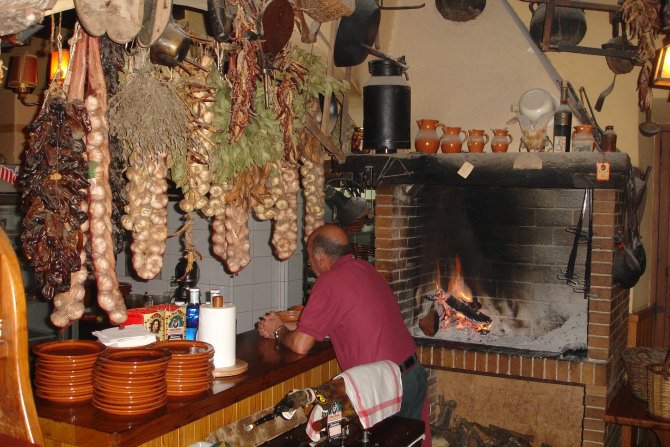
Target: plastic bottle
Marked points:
192	314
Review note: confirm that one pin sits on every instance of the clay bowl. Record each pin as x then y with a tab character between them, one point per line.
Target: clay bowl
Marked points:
68	350
289	316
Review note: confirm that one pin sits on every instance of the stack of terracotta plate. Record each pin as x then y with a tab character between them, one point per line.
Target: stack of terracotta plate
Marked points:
63	370
130	381
190	369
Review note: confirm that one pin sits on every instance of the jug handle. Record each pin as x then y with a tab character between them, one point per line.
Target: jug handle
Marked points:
486	140
442	126
464	132
510	138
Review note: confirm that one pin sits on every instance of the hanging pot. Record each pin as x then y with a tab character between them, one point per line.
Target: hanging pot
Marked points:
359	28
171	47
157	15
568	26
220	18
460	10
619	65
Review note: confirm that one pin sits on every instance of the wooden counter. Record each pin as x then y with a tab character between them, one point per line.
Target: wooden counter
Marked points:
273	372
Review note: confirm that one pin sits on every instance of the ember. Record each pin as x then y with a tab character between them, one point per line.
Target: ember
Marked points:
459	306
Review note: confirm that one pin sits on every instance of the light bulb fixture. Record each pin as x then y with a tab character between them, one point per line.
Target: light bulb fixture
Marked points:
58	65
22	76
661	77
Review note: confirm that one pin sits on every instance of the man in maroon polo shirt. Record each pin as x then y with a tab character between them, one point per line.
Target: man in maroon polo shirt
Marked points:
353	305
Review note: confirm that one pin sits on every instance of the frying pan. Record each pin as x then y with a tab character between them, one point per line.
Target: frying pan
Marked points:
277	23
359	28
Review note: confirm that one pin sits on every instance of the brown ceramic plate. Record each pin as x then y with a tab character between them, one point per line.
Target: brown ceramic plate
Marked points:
130	357
125	410
185	348
130	382
69	349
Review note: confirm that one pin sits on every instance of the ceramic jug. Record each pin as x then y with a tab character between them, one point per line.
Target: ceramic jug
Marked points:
477	139
582	138
501	140
451	140
427	139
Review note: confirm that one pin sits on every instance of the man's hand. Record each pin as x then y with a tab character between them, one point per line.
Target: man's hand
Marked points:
268	324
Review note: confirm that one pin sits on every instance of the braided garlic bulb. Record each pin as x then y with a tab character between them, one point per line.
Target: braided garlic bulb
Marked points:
147	213
285	226
313	181
100	215
230	236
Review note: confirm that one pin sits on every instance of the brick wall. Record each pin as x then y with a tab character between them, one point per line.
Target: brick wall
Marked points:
404	257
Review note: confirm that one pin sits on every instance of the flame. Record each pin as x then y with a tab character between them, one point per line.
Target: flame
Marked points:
458	289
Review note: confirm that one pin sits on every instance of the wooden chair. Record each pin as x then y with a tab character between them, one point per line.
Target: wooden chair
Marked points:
19	425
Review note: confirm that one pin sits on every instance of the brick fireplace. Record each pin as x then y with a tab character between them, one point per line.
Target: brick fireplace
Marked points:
558	398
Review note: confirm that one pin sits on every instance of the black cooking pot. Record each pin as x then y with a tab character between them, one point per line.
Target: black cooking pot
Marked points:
359	28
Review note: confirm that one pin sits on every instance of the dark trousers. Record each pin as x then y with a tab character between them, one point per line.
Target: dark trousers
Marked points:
414	388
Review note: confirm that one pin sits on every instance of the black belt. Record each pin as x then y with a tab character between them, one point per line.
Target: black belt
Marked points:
407	364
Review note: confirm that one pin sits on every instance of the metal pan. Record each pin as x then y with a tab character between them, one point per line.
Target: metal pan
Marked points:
359	28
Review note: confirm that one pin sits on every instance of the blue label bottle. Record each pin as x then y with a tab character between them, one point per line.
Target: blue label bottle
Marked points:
192	314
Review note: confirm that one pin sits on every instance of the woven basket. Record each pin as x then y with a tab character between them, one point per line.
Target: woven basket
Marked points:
327	10
636	361
659	392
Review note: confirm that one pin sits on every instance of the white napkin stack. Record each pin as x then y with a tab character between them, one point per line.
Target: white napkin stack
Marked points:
129	337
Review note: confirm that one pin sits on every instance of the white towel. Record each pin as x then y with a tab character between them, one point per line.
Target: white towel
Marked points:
375	390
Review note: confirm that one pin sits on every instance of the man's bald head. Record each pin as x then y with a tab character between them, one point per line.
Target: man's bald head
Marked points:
331	239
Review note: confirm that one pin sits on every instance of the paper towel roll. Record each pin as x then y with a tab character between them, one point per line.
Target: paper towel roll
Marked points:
216	326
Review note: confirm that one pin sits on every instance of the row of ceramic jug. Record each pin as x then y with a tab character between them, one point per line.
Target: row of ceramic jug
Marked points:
429	141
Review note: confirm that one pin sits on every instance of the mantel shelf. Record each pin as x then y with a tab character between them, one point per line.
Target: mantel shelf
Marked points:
572	170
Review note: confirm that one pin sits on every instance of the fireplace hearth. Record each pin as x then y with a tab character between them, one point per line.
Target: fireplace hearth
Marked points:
506	224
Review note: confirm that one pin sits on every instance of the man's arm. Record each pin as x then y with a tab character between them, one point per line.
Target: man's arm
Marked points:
298	342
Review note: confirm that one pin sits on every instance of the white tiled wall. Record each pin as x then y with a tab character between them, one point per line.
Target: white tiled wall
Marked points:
265	284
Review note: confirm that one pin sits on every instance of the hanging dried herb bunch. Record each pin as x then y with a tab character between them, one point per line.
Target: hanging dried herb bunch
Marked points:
149	117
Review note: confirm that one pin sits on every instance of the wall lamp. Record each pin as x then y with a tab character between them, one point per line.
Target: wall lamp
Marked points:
661	77
22	77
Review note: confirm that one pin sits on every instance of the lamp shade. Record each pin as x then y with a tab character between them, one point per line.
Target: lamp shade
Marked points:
55	66
22	73
662	71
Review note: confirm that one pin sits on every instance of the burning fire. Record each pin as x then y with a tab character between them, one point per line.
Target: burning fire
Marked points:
459	306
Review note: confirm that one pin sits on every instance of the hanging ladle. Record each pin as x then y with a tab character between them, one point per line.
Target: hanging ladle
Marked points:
649	128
